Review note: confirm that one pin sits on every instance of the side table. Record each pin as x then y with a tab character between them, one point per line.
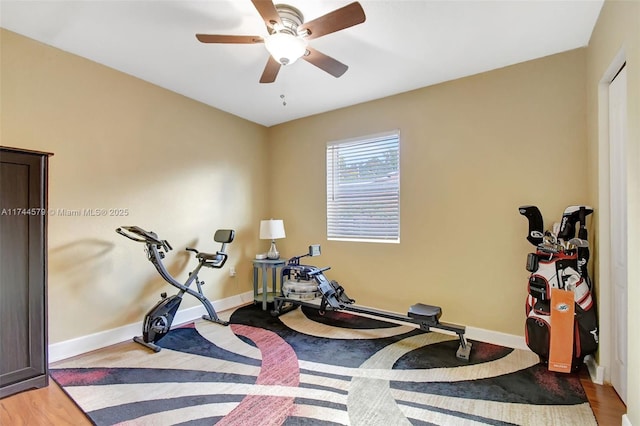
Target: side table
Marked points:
265	265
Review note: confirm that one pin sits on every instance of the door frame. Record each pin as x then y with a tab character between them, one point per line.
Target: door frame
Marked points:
620	175
603	273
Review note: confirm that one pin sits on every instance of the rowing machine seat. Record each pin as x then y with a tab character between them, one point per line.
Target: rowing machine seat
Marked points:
427	313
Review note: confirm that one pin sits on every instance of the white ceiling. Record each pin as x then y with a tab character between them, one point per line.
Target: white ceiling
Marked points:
402	45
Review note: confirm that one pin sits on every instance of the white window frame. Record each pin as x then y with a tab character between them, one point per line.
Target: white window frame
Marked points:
383	192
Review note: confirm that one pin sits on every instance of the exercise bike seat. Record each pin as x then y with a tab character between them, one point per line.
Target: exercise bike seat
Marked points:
210	257
428	313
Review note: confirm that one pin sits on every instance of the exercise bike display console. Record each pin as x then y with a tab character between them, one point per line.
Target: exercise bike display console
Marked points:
333	298
157	322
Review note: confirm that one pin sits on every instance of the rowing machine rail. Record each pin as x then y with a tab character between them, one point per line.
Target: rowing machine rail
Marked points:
334	298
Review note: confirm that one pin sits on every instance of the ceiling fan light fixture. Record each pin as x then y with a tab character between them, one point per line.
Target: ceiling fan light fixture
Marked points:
285	48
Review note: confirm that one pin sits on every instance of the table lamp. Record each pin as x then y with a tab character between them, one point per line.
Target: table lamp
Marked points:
272	229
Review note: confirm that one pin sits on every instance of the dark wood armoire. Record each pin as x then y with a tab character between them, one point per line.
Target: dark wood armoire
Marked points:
23	270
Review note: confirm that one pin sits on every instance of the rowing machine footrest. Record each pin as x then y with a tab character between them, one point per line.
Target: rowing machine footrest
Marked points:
428	313
463	352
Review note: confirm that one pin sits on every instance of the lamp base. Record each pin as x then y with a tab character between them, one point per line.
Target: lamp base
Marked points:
273	253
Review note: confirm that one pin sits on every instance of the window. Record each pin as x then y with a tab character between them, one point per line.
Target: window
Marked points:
363	189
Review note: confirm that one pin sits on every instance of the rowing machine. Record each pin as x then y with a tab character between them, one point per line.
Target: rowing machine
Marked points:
333	298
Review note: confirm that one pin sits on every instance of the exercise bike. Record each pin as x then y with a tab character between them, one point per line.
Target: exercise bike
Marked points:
302	285
157	322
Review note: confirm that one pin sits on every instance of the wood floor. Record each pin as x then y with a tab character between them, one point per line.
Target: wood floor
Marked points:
40	407
605	402
51	406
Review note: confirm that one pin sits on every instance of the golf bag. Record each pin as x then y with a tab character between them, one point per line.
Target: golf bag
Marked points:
560	261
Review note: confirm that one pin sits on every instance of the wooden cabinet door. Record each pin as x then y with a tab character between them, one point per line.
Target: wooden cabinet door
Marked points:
23	359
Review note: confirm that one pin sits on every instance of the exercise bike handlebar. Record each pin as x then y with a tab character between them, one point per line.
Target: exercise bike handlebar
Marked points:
138	234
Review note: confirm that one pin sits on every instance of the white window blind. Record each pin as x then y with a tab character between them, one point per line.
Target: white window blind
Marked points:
363	189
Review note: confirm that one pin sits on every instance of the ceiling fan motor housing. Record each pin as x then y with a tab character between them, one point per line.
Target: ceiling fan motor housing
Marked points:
291	19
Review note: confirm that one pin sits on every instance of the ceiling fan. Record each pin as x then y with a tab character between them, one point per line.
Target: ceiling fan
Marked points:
289	34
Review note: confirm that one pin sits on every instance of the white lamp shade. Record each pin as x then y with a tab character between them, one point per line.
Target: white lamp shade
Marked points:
285	48
271	229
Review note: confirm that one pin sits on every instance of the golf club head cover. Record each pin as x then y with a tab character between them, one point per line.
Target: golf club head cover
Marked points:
584	212
536	223
571	216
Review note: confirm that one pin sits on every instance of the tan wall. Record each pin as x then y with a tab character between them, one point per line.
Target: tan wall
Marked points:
472	151
617	30
181	169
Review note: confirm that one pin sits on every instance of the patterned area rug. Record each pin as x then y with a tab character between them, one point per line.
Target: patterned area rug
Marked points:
307	369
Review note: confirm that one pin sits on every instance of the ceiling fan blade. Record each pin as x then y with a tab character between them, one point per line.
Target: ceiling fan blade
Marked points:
345	17
268	11
325	63
238	39
270	71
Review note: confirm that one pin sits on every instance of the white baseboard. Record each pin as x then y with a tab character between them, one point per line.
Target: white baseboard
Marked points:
626	421
92	342
497	338
595	371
